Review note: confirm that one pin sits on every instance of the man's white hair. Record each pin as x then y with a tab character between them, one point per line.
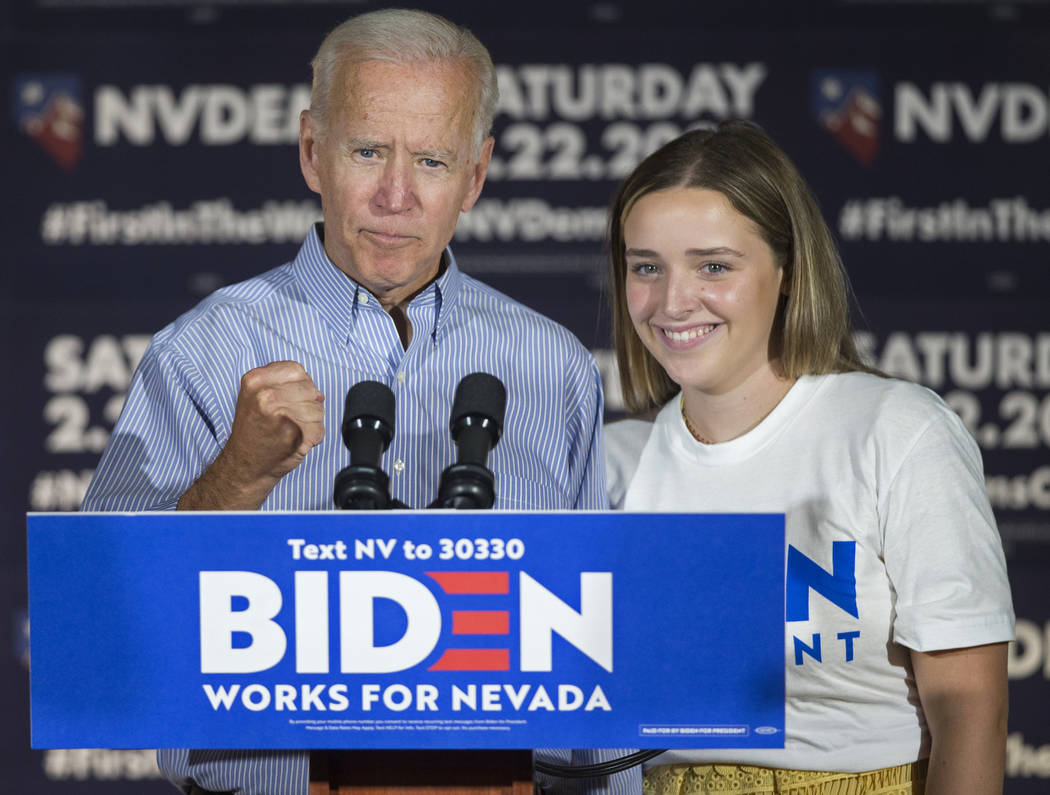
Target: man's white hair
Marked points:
404	36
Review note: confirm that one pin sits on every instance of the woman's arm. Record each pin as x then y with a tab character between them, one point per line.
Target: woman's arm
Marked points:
964	696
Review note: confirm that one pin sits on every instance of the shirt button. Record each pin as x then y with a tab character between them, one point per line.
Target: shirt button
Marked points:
399	466
362	297
401	377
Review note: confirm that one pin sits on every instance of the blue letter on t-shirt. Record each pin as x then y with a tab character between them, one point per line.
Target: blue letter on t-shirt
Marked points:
839	587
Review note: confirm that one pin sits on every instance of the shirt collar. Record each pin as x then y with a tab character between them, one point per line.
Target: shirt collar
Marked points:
337	297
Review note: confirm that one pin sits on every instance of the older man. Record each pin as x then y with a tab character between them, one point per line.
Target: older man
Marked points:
233	405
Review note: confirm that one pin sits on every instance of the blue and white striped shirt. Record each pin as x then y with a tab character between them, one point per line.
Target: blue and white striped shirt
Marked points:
180	408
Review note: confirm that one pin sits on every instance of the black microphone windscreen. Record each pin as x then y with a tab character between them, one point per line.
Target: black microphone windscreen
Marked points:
368	428
370	399
479	394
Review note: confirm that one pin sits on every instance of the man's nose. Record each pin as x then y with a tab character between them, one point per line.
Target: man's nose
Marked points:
396	190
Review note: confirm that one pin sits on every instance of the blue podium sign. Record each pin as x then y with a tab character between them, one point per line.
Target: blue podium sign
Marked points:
406	630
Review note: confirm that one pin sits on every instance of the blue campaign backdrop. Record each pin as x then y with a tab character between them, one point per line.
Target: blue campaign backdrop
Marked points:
148	153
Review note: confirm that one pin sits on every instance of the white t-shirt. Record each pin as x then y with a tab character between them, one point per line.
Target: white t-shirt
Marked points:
876	469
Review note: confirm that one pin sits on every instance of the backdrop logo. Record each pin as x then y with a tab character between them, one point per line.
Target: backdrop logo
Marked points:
1016	113
846	104
212	115
49	109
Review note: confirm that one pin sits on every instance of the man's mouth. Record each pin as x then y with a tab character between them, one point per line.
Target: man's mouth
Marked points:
387	237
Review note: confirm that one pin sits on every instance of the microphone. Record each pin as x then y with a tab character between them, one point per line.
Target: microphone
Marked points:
368	427
476	424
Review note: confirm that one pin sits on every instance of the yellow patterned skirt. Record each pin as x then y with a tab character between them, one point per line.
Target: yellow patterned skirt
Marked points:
749	780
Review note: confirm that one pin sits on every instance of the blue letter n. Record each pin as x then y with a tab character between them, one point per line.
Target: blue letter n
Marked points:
839	587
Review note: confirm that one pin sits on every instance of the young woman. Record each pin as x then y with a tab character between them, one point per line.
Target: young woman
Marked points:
732	330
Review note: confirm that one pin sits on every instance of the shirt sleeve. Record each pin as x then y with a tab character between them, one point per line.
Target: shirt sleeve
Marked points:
942	548
167	434
586	451
624	441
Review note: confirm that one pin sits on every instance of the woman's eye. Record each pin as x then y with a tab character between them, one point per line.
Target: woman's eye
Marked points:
644	268
715	268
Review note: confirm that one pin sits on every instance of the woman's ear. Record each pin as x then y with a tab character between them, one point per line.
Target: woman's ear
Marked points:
785	280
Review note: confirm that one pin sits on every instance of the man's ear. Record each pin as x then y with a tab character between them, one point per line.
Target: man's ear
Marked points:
477	179
308	151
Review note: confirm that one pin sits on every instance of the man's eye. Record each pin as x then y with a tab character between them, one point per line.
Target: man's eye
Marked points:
430	162
366	153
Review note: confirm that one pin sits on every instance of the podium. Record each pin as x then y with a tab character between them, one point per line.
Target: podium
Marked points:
421	772
408	651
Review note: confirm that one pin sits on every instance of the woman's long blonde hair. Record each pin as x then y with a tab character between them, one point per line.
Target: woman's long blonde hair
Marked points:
812	333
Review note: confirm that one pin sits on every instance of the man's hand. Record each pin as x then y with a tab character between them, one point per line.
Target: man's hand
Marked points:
278	419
